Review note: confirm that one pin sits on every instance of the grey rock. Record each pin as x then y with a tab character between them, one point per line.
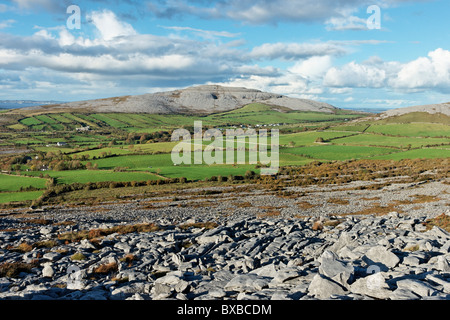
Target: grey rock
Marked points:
331	267
125	247
161	291
411	261
381	256
127	290
51	256
247	283
324	288
373	285
86	244
418	287
439	281
269	270
47	230
403	294
182	286
48	271
442	264
217	293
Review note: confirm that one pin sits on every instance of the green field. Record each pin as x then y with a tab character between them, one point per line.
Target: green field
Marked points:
380	140
7	197
13	183
309	138
426	153
412	129
337	152
135	157
85	176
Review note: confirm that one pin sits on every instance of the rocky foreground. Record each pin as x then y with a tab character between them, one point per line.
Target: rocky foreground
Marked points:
73	254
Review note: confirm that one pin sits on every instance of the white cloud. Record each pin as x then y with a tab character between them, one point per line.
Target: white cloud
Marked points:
6	23
293	51
355	75
346	23
425	72
312	68
207	34
109	25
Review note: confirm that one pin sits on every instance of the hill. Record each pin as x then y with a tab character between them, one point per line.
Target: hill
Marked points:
443	108
208	99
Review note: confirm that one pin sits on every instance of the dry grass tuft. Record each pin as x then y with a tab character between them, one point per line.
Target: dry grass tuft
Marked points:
206	225
13	269
338	201
98	233
23	247
106	269
269	214
442	221
243	204
43	222
378	210
305	205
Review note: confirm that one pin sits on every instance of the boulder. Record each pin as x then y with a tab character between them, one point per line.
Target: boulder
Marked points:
374	286
332	267
381	257
247	283
323	288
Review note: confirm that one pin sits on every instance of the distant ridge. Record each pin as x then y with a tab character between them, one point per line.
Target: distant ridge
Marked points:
15	104
443	108
207	99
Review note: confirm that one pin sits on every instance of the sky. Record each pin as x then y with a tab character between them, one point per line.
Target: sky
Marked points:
349	53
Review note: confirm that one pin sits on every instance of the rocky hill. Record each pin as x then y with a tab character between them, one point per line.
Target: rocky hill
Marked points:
206	99
443	108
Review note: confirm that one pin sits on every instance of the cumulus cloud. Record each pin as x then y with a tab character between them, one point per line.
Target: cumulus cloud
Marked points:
431	72
109	25
424	73
355	75
312	68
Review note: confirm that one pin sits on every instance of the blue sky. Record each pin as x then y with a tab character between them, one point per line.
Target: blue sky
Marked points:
313	49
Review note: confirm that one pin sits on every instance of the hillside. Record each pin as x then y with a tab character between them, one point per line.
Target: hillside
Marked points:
443	108
208	99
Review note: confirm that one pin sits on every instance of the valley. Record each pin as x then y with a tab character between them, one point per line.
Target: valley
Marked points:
98	193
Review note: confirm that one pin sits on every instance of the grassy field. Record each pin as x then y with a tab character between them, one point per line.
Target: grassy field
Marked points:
309	138
380	140
250	115
412	129
412	136
337	152
85	176
426	153
14	183
7	197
